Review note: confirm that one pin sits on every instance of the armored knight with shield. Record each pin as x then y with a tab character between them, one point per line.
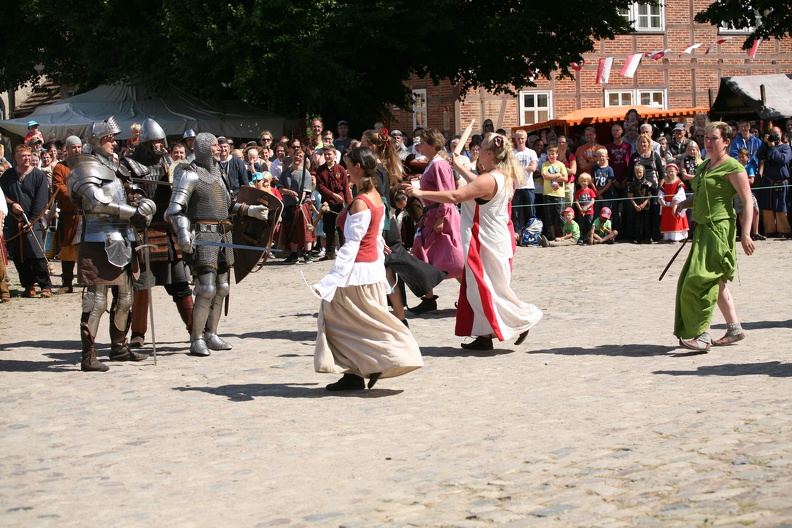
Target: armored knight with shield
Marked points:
105	239
147	170
201	211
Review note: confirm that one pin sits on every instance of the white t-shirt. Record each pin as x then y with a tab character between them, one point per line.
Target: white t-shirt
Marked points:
525	158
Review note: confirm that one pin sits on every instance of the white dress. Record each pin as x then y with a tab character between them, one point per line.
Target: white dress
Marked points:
487	304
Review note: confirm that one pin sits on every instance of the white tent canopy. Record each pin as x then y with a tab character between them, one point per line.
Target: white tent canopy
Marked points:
133	104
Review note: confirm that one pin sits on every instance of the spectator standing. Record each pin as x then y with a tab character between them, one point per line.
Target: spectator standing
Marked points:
5	295
745	140
27	194
774	158
33	132
67	217
233	167
673	224
332	182
554	174
603	179
341	143
295	186
619	153
569	160
640	192
679	142
654	173
524	195
585	200
276	167
398	144
586	153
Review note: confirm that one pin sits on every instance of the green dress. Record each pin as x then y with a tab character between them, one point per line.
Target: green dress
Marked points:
713	255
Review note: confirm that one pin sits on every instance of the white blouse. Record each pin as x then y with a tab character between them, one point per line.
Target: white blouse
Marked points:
345	271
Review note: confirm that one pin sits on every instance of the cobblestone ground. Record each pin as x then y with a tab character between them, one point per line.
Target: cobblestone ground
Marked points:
597	420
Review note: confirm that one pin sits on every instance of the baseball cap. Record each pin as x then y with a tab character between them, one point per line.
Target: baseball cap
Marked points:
679	126
568	210
32	123
396	133
222	139
257	176
342	122
606	212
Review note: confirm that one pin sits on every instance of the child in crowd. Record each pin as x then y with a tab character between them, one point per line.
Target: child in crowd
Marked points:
571	232
603	178
601	230
640	191
585	199
555	176
316	220
673	226
744	157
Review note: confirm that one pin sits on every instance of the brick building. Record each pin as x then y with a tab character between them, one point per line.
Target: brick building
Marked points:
668	83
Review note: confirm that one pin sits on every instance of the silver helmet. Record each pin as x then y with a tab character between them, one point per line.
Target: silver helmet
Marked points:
150	130
189	133
100	129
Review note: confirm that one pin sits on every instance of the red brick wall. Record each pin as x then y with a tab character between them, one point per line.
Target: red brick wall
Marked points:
687	79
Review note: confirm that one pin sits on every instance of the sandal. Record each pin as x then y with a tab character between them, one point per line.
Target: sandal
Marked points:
729	339
699	344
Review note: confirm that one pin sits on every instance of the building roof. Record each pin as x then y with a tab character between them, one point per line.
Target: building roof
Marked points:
612	114
741	97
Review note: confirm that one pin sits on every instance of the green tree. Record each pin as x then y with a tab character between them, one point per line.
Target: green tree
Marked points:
320	57
768	18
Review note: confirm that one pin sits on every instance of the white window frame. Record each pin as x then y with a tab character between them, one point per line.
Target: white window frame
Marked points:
662	91
419	108
621	93
634	15
535	110
725	29
635	96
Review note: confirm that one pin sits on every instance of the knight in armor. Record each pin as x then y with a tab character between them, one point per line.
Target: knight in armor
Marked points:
105	256
189	144
200	210
151	163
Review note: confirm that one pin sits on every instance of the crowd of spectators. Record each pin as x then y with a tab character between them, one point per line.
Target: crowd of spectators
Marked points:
613	188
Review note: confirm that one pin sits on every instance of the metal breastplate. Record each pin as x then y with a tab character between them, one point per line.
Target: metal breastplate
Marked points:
209	199
99	226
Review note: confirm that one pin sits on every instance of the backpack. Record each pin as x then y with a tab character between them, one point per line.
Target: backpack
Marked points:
530	233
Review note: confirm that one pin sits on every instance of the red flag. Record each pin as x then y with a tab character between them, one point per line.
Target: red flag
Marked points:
752	51
603	72
712	46
657	55
631	65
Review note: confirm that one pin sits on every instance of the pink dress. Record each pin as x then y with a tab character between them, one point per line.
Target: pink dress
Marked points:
443	251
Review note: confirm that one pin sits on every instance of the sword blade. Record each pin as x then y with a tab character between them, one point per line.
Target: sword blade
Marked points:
147	255
234	246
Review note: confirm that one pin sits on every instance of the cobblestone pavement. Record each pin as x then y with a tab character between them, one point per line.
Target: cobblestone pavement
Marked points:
597	420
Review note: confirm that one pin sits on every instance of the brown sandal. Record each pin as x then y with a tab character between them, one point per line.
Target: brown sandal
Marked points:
695	344
729	339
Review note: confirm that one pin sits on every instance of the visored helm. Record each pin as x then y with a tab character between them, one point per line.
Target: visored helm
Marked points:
150	130
100	129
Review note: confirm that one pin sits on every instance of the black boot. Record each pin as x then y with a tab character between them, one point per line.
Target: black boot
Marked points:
427	305
67	276
348	382
119	350
89	362
480	343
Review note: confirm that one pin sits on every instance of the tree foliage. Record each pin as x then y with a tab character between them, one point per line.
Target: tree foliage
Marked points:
292	56
768	18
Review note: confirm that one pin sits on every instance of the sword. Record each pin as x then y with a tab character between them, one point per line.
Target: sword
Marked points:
672	259
146	248
150	182
233	246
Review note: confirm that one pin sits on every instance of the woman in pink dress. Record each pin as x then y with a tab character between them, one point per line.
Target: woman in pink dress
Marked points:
488	308
674	226
437	239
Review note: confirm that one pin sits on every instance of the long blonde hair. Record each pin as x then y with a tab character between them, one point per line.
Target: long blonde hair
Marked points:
505	161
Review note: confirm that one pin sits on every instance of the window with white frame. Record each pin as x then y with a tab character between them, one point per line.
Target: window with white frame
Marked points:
419	108
728	29
535	107
649	97
645	16
619	98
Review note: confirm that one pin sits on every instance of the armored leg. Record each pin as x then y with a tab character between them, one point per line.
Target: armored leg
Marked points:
213	341
205	292
119	323
94	305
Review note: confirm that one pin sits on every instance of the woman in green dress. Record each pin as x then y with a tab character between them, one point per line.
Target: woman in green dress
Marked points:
712	259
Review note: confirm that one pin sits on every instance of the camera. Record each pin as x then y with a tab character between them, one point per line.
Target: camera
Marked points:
773	138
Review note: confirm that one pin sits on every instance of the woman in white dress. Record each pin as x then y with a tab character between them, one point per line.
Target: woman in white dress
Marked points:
488	308
357	335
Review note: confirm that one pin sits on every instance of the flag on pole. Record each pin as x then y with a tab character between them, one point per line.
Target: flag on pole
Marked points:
577	66
657	55
690	49
631	65
603	72
752	51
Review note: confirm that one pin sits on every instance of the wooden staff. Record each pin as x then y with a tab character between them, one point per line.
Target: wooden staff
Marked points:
463	139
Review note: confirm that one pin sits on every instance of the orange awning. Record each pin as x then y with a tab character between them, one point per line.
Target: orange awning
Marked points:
612	114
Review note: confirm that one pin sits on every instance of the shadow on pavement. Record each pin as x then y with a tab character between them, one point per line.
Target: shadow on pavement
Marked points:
248	392
51	345
436	314
760	325
774	369
12	365
461	352
289	335
635	350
